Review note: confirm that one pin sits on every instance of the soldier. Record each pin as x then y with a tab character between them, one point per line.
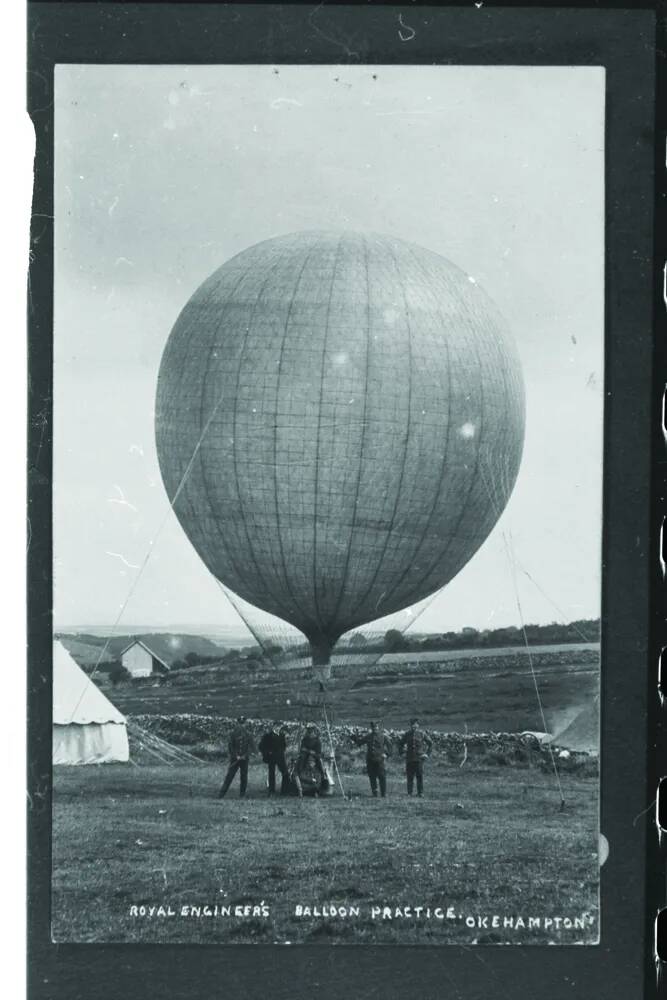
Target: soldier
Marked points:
311	740
378	748
417	746
273	747
311	743
240	746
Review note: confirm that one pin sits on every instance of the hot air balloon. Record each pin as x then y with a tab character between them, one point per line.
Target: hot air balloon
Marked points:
339	425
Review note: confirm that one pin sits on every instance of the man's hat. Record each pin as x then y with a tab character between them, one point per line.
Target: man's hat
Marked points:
414	722
241	718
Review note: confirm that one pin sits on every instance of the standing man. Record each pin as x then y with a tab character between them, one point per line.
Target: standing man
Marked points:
240	746
273	748
378	748
417	746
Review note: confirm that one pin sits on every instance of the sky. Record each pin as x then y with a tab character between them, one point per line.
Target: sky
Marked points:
164	172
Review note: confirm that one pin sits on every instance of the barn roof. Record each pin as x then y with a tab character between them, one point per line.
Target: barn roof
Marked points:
157	656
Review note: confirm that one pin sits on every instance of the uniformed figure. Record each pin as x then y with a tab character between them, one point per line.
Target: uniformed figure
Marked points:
311	743
378	748
417	746
240	747
273	747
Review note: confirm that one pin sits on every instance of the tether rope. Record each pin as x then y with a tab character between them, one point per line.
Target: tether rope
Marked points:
151	545
509	550
333	750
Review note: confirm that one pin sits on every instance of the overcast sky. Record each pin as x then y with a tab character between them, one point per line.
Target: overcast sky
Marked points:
164	172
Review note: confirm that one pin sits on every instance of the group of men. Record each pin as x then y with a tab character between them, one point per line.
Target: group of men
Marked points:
415	744
308	768
308	771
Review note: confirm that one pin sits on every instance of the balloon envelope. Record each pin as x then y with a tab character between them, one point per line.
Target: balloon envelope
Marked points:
339	424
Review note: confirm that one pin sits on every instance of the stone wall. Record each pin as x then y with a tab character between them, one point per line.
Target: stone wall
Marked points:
205	736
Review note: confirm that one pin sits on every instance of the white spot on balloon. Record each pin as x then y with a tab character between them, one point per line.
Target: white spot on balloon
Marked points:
471	280
467	431
390	316
340	358
170	124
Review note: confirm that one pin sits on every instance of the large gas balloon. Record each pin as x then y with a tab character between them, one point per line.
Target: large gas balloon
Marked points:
339	425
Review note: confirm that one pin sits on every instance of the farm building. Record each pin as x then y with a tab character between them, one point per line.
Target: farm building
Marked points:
87	728
141	661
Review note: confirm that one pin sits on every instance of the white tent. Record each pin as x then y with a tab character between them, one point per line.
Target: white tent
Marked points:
87	728
583	732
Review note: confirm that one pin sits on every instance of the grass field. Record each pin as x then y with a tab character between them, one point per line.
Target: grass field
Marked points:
496	696
484	842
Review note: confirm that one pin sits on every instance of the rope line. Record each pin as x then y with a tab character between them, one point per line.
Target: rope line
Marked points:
509	550
253	631
333	751
151	545
553	603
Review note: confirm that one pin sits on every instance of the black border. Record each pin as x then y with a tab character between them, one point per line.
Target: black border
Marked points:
608	34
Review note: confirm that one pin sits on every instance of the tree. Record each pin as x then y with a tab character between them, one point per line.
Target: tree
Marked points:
118	674
358	639
395	641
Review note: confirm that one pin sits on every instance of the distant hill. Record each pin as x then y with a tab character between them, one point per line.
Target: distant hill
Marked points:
228	636
171	647
86	654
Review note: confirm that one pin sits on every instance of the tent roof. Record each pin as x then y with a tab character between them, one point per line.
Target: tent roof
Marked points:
583	732
76	697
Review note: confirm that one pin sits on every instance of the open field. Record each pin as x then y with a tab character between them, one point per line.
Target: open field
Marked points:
497	693
484	841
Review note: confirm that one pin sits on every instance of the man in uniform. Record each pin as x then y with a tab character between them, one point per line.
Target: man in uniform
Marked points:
311	743
378	748
273	747
240	746
417	746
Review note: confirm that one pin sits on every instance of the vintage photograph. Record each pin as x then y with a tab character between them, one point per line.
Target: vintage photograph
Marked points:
327	504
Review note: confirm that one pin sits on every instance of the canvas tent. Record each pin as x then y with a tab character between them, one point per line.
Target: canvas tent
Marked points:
87	728
583	732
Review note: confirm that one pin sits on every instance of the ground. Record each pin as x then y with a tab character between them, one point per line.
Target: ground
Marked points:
485	841
497	694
